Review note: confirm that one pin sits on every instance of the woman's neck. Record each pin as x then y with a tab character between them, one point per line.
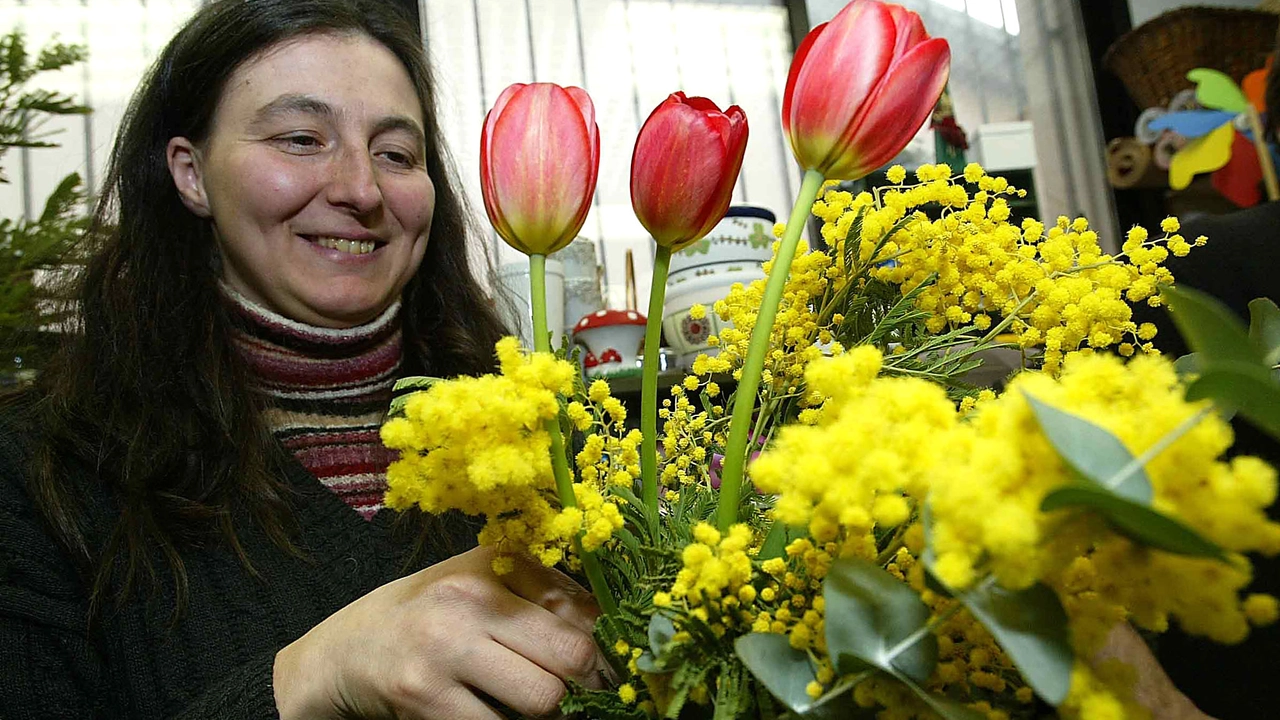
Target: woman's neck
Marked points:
326	392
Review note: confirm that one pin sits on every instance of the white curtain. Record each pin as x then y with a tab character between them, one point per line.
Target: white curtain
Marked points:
123	37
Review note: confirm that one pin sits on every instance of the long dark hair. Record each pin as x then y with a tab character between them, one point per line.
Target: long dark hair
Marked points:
148	392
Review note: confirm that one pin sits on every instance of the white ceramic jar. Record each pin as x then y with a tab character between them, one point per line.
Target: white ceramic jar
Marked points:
511	290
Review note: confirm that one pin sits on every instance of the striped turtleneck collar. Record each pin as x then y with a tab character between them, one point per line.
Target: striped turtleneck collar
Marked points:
326	393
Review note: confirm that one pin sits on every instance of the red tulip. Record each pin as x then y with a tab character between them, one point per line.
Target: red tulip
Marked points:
685	163
860	87
539	160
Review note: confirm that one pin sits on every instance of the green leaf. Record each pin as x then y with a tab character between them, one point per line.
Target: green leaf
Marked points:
1188	365
1093	452
1264	328
947	708
732	692
775	543
661	630
1217	91
415	382
689	675
647	663
784	670
869	615
1251	389
1031	627
1209	327
598	704
1139	522
413	385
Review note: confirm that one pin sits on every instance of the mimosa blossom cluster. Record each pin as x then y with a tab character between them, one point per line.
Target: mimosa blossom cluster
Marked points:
1053	288
882	446
478	445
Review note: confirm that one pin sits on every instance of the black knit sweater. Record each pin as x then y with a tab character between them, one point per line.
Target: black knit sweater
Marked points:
217	661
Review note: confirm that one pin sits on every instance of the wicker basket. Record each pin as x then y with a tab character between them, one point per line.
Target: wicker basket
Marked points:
1153	59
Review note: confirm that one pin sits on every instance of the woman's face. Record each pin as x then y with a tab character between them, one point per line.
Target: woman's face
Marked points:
314	177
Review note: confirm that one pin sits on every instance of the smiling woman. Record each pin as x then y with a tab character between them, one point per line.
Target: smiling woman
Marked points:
318	191
190	501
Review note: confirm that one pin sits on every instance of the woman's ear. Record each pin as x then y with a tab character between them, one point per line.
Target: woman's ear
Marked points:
184	165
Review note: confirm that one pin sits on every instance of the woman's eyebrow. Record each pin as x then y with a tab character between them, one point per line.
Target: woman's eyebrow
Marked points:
293	103
307	104
402	122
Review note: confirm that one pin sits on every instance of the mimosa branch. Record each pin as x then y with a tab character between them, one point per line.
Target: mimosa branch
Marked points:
735	454
559	464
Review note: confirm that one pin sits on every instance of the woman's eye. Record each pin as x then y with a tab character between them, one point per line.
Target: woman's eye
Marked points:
299	143
397	157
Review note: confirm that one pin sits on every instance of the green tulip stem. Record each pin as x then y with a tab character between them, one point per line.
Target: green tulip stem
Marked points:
559	464
744	401
649	387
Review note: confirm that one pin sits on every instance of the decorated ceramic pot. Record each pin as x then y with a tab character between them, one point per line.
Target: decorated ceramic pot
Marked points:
703	273
610	341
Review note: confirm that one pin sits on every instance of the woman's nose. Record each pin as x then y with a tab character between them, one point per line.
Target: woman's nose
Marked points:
354	184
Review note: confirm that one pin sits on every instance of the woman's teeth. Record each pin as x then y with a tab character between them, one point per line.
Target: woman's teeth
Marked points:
355	247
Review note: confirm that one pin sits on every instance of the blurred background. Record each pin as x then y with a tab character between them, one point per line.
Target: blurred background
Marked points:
1033	94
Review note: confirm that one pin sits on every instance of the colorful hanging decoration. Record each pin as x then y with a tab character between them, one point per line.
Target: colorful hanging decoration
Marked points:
1225	137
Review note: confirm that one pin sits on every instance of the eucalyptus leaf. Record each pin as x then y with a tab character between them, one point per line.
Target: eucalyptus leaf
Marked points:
1139	522
947	708
1251	389
875	620
647	663
1210	328
661	630
775	542
1264	328
784	670
1031	627
1093	452
1188	365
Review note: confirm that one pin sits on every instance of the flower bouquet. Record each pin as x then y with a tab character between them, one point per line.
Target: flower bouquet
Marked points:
901	543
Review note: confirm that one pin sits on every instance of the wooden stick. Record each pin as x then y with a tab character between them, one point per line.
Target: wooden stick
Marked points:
1264	154
631	281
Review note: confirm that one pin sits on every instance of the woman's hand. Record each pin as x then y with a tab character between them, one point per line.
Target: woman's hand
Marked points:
1153	688
433	644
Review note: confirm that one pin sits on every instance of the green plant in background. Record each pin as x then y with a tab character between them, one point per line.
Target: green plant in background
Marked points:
32	249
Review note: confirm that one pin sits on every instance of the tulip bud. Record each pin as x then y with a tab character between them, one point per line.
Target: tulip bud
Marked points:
539	160
860	87
685	164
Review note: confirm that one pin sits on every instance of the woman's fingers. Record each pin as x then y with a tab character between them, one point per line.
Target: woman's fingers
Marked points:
546	639
512	679
554	591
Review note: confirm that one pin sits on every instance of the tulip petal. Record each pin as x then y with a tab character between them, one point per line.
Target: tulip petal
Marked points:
897	109
797	62
735	146
540	154
588	110
840	72
488	191
910	29
686	160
